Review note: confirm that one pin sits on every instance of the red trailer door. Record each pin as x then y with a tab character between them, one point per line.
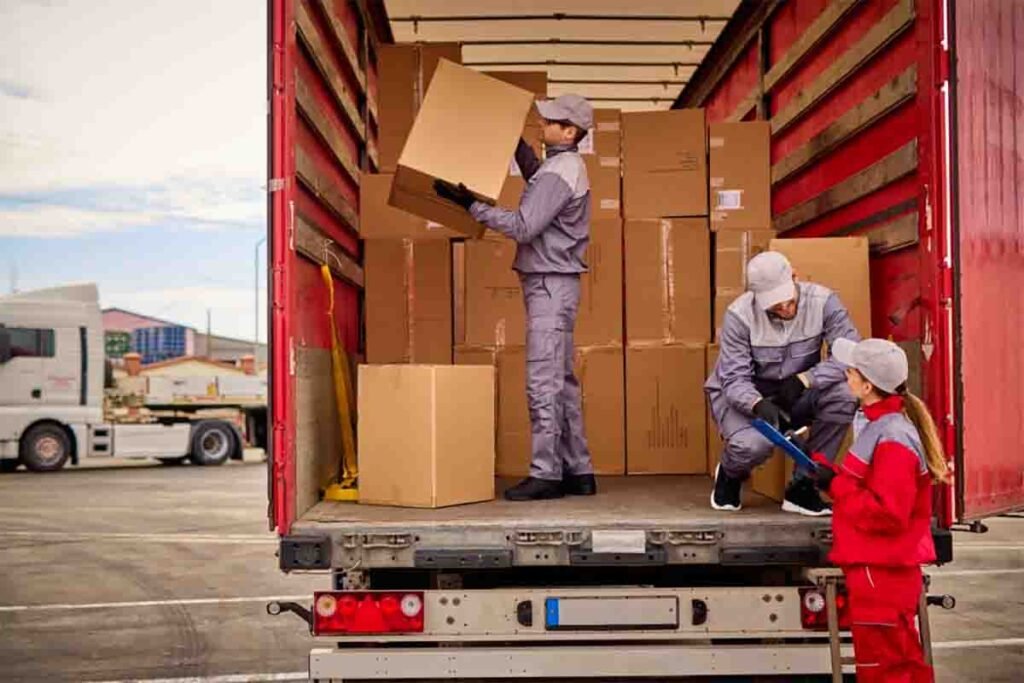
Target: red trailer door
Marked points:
322	93
988	177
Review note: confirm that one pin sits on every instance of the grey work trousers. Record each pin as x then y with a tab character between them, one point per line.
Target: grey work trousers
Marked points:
552	390
829	412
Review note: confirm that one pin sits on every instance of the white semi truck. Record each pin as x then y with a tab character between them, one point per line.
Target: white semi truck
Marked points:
52	395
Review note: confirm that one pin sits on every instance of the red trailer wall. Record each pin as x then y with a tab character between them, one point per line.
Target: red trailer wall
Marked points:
989	128
322	54
867	101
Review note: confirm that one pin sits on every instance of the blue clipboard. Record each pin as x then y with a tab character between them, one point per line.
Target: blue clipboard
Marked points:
788	447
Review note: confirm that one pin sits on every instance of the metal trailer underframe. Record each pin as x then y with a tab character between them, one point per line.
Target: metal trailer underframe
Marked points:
548	663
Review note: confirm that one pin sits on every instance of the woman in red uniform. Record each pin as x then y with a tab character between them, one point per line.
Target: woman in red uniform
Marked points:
882	495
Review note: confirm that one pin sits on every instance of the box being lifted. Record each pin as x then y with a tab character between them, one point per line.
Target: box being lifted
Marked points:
466	132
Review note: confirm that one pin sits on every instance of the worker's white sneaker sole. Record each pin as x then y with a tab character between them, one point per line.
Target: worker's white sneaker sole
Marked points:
793	507
722	508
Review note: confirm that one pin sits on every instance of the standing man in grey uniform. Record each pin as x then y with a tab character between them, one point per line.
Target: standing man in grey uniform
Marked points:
770	367
552	229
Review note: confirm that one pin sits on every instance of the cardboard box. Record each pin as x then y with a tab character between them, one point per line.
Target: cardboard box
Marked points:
723	299
379	220
403	73
466	131
513	438
664	164
408	303
605	187
605	138
739	179
442	452
666	415
537	83
599	320
714	437
733	250
668	280
495	314
839	263
600	371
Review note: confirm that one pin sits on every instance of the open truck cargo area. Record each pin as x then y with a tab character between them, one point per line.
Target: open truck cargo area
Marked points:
895	121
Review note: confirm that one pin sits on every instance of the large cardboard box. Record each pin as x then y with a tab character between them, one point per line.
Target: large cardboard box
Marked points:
664	164
494	311
666	418
733	249
605	187
600	371
599	321
739	179
426	435
408	301
839	263
404	71
466	131
668	280
537	83
605	138
379	220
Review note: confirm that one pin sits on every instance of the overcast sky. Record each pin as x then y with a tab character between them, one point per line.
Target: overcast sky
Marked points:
133	153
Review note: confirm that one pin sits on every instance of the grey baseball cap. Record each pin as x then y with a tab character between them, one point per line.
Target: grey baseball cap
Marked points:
571	108
770	278
880	361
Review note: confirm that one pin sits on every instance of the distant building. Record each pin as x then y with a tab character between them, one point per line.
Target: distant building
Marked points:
196	343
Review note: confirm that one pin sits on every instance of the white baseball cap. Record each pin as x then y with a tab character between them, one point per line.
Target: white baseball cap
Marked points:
770	278
572	108
880	361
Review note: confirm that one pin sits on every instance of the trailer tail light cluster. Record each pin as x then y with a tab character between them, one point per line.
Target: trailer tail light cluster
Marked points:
813	612
364	612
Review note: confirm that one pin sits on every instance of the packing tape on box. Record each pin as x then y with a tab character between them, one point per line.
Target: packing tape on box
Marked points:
668	285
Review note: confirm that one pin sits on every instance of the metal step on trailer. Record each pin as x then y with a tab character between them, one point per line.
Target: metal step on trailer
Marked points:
632	521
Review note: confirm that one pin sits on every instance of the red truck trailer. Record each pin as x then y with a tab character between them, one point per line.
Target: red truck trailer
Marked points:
901	120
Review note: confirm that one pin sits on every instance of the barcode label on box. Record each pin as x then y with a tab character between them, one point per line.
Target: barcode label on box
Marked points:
730	200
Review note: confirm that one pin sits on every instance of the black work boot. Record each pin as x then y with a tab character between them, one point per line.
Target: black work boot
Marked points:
803	498
579	484
726	495
535	489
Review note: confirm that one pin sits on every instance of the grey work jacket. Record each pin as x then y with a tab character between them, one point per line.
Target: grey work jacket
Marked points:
754	345
552	224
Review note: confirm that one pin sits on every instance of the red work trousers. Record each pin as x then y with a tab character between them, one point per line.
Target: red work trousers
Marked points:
883	607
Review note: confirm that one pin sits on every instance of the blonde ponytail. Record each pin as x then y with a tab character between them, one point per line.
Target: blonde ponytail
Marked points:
917	412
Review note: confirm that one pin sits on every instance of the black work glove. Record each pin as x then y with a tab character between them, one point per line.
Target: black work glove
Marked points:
790	391
454	193
768	411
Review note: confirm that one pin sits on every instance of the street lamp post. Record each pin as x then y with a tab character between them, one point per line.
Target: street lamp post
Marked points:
256	299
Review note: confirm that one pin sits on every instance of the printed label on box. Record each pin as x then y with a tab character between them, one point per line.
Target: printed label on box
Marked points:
730	200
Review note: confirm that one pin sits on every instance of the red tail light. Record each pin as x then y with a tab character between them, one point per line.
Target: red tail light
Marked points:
367	612
813	612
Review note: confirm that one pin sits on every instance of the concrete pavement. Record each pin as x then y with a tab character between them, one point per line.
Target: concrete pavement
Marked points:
133	571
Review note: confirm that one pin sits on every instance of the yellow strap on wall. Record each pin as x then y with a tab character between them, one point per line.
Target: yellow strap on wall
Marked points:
342	390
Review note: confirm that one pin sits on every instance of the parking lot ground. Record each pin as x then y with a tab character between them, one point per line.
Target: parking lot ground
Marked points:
137	571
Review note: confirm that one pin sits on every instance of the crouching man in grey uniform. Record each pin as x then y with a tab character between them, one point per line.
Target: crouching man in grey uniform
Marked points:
551	228
770	367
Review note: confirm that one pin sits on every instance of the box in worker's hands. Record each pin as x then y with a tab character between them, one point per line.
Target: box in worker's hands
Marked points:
466	132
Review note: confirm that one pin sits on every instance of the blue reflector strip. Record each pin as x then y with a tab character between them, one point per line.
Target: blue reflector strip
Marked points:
551	613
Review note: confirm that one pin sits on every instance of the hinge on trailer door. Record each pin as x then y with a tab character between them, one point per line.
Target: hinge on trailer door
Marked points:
684	537
275	185
569	538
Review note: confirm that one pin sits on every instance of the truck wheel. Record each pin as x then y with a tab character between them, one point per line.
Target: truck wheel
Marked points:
8	465
212	443
45	448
